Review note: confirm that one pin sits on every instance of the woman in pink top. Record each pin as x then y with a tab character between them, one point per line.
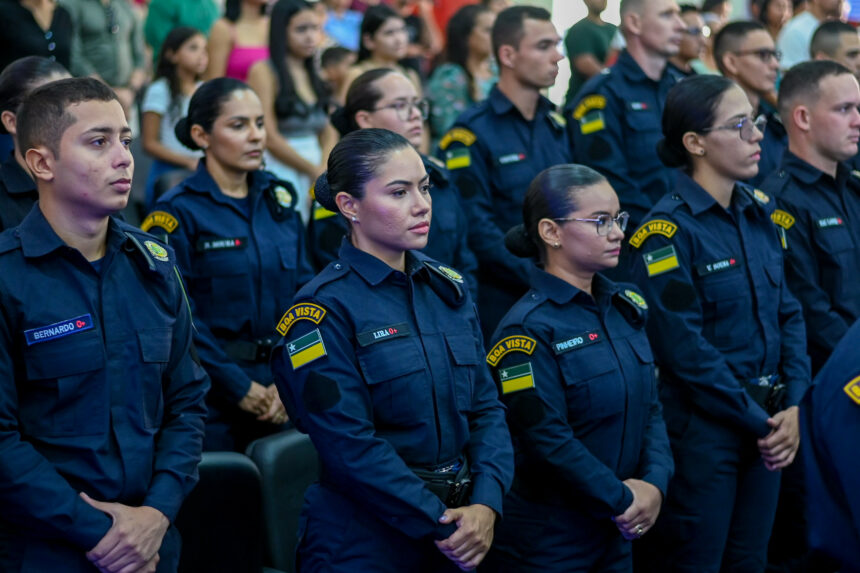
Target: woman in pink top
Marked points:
239	39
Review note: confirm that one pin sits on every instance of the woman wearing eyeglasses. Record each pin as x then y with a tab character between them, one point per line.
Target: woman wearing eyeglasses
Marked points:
576	372
386	99
727	334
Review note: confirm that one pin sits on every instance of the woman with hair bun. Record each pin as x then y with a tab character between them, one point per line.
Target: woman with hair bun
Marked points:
576	372
383	98
382	365
239	243
727	334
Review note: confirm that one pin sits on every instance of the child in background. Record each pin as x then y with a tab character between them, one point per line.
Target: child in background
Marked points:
181	63
343	24
335	64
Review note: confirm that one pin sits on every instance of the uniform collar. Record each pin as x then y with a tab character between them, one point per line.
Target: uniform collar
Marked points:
373	270
810	175
699	200
38	238
201	182
502	105
17	180
633	71
561	292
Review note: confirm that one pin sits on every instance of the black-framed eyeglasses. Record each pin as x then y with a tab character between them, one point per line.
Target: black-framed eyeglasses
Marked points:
744	126
704	31
403	109
604	223
764	54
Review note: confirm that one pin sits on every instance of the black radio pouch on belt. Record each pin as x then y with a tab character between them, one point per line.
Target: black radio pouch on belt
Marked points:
452	487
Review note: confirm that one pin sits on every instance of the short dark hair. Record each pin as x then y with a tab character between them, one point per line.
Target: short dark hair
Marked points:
688	8
205	107
826	37
44	115
354	161
803	82
691	105
334	55
374	18
710	5
18	78
508	29
363	95
551	195
730	38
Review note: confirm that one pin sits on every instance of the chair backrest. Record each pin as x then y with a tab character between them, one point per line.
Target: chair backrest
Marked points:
221	520
288	464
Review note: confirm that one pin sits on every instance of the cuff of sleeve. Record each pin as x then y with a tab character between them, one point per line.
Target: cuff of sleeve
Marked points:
166	495
794	393
90	526
625	501
487	491
659	478
232	383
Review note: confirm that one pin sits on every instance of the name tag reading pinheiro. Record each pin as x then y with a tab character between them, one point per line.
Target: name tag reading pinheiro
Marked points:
576	342
383	333
58	329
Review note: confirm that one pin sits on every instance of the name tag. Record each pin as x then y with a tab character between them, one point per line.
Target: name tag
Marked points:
576	342
384	333
717	266
58	329
221	244
829	222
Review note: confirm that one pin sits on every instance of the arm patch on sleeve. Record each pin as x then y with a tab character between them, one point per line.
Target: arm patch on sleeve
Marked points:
301	311
460	134
782	218
655	227
517	378
510	344
161	219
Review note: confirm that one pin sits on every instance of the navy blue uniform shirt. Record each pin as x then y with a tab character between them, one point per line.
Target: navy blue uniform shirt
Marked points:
819	220
829	430
577	375
98	389
242	267
614	126
493	153
384	370
721	311
449	228
17	193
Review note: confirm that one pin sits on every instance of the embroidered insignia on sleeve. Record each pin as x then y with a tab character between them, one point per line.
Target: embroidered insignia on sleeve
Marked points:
161	219
451	273
782	218
458	158
853	390
636	299
761	196
517	378
661	261
300	311
511	344
460	134
305	349
655	227
156	250
588	104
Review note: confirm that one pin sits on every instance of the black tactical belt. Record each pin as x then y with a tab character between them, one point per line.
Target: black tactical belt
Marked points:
451	483
767	391
251	351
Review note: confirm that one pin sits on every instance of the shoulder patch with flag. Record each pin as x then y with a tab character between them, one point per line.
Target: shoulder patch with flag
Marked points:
517	378
589	114
661	261
655	227
306	349
301	311
458	158
505	346
853	390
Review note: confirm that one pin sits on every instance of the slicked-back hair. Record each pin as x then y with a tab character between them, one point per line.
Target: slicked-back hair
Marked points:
730	38
803	82
19	77
826	37
44	116
509	27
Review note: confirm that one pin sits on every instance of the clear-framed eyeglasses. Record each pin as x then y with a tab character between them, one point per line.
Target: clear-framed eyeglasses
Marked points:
404	108
744	126
604	223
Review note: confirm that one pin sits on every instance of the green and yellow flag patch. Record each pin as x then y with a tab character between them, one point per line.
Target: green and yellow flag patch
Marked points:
458	158
516	378
661	261
306	349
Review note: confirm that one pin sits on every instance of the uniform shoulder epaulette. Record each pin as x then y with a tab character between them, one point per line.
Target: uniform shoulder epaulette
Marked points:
436	170
775	183
333	271
151	252
757	195
631	304
9	241
445	281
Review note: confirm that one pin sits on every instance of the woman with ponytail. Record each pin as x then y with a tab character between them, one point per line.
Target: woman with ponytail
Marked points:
382	365
384	98
728	335
575	370
240	246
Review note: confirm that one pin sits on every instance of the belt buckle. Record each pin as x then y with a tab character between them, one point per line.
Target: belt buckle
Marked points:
764	381
264	349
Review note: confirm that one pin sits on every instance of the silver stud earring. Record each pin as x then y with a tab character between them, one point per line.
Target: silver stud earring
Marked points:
354	220
556	246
